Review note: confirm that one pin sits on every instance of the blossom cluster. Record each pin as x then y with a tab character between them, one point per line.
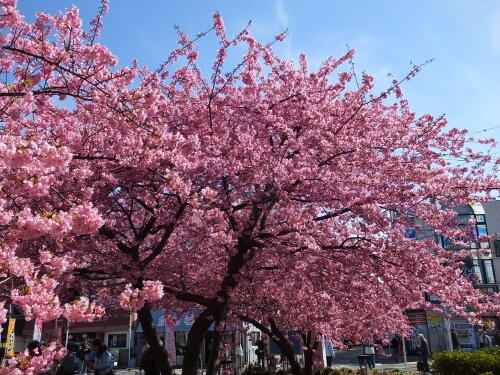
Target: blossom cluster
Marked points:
133	299
25	364
83	311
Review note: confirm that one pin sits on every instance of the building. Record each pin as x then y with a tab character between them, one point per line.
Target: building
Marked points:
482	269
113	331
492	213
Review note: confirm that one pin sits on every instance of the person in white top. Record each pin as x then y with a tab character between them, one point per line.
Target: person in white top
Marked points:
329	351
369	350
485	340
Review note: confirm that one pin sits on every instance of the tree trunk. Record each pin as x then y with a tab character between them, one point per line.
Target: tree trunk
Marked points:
281	341
308	354
217	311
194	341
214	361
311	343
285	348
159	353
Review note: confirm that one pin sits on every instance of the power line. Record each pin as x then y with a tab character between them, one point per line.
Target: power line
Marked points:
485	130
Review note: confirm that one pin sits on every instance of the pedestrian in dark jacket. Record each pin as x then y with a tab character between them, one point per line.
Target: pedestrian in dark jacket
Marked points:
454	340
261	352
424	351
82	354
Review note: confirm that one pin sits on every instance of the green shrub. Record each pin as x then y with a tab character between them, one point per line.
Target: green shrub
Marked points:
463	363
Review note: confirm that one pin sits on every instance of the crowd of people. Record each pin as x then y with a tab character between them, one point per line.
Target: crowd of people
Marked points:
96	358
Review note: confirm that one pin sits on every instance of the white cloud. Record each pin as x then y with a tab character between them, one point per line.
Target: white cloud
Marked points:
284	21
281	13
495	29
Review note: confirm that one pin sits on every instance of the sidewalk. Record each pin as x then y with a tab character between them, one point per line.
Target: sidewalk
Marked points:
350	359
127	371
412	366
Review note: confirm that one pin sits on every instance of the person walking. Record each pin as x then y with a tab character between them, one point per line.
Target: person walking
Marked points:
369	350
454	341
103	364
485	340
329	352
82	354
425	352
261	352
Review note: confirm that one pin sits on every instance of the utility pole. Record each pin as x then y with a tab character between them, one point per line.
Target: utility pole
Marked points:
67	334
131	317
404	352
447	326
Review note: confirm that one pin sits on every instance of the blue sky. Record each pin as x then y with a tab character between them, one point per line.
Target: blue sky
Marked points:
462	36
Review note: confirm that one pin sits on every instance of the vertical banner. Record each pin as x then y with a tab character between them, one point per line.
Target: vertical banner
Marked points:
170	338
11	338
37	330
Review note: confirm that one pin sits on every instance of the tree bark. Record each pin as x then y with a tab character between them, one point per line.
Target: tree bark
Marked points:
282	341
285	348
311	343
308	353
214	361
195	339
160	355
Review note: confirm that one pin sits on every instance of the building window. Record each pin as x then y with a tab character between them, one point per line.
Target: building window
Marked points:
496	245
117	340
475	231
464	219
489	275
477	271
485	245
481	230
483	268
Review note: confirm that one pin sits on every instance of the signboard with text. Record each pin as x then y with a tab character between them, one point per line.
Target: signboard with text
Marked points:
11	338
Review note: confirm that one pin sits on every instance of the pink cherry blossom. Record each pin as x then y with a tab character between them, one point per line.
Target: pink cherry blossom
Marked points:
265	190
82	311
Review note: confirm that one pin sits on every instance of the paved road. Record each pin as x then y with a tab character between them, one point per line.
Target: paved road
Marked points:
348	358
386	361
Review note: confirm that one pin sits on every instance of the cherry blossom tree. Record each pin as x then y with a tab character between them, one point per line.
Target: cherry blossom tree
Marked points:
175	189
